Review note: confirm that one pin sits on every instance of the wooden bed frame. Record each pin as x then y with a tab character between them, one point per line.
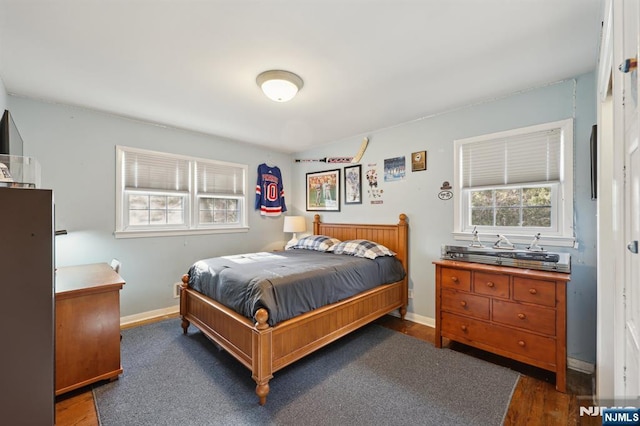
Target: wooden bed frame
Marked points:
264	349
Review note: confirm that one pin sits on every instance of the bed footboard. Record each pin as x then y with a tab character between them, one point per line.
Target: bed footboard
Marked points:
264	349
249	343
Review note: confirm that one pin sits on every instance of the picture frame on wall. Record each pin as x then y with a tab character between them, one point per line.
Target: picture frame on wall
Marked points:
323	191
419	161
353	184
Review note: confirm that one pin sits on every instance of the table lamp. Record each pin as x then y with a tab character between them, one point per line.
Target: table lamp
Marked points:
294	224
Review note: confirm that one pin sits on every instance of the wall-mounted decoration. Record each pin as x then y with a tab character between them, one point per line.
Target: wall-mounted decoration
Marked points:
419	161
353	184
445	195
323	191
394	169
358	156
269	191
445	191
374	191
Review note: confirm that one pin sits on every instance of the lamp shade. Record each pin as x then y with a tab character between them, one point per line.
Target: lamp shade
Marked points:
279	85
294	224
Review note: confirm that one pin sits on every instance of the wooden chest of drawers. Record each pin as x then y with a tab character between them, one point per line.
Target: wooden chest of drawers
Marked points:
87	325
516	313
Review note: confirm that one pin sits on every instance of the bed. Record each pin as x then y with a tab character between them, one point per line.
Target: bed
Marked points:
265	347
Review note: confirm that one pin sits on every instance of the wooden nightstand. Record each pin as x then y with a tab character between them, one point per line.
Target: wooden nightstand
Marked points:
87	333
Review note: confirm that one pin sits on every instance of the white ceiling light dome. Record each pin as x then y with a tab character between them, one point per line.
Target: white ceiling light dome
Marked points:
279	85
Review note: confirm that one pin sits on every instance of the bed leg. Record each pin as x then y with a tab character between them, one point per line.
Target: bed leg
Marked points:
262	390
403	312
183	302
262	355
185	325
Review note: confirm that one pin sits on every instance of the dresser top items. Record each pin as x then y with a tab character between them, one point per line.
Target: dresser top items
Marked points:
514	271
541	260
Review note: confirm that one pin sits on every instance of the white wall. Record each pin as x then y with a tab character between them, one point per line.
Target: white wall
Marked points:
431	219
76	150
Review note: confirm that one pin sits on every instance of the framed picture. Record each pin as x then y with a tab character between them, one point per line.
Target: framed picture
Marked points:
394	169
353	184
419	161
323	191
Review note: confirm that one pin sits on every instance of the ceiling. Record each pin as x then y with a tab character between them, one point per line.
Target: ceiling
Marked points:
366	64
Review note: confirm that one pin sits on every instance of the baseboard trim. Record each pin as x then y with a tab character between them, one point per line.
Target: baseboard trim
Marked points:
149	316
430	322
581	366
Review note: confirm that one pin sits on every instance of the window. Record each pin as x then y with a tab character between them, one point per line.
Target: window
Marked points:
516	183
167	194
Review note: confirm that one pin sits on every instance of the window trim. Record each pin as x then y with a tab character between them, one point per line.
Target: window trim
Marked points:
192	225
564	235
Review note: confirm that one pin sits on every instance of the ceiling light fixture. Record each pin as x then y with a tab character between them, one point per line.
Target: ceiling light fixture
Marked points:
279	85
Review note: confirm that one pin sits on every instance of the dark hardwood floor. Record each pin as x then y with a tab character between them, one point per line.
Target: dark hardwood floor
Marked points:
535	400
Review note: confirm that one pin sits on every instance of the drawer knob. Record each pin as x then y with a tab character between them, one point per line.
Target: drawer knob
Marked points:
490	284
463	327
521	316
533	291
454	279
521	343
463	303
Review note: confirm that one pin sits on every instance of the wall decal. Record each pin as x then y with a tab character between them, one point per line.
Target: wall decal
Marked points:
374	192
445	193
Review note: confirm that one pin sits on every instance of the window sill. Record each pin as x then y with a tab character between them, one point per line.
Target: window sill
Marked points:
177	232
489	239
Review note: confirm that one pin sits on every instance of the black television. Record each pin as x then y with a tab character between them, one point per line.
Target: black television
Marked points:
10	139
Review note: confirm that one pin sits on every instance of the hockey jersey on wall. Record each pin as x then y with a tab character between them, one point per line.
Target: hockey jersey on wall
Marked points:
269	191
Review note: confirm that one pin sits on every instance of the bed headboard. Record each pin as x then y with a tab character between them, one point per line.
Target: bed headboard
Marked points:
395	237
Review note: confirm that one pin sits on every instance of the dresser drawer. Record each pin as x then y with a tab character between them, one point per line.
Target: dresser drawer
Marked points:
534	318
465	303
534	291
456	278
495	285
520	343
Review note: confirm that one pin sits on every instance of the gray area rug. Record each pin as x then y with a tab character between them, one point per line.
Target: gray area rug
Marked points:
374	376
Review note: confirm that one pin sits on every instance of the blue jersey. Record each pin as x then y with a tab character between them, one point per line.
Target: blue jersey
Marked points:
269	191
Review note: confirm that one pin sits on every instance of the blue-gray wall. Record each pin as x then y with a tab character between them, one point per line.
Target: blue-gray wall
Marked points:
76	150
431	219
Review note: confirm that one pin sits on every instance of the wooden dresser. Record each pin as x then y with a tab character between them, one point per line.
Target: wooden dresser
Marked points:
87	333
513	312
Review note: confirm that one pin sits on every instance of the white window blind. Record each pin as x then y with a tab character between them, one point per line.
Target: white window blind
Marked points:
529	157
218	178
154	171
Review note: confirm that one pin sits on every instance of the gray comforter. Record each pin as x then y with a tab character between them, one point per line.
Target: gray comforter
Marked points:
289	283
